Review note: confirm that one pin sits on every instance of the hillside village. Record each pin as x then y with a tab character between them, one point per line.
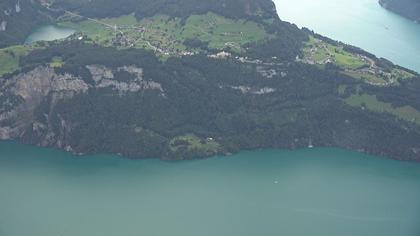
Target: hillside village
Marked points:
320	53
166	36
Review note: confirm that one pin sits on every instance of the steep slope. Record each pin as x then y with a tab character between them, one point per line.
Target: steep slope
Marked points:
204	78
407	8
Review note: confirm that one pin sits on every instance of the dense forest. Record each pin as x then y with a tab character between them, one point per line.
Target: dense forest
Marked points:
238	9
407	8
201	100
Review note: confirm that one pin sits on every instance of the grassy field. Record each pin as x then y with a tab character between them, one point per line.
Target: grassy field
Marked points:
97	33
122	20
357	66
398	73
168	34
10	57
56	62
370	102
193	143
219	31
319	52
370	78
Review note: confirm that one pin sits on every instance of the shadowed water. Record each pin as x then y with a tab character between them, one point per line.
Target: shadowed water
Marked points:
308	192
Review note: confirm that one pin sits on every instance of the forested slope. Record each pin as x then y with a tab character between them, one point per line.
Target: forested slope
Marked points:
185	79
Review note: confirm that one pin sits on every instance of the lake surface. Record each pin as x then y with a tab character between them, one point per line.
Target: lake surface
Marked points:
363	23
314	192
49	33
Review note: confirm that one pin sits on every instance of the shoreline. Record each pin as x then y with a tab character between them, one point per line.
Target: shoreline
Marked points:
119	156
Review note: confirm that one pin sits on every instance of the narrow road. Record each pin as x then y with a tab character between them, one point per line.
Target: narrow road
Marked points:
115	27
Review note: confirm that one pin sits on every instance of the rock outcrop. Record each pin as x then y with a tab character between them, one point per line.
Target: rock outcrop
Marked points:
23	93
104	78
3	25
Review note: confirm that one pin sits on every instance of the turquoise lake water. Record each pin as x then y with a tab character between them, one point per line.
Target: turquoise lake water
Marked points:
314	192
49	33
363	23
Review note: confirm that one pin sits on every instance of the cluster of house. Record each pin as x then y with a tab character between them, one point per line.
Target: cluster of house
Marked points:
369	69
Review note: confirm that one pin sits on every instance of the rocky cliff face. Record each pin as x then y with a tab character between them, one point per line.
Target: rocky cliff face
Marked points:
104	78
23	93
3	25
